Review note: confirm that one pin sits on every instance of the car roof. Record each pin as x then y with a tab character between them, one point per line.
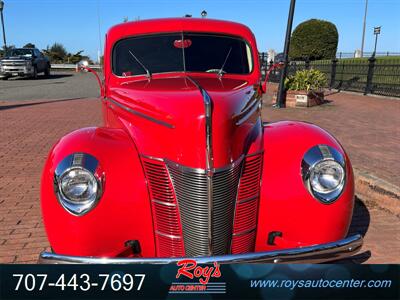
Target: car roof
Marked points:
176	25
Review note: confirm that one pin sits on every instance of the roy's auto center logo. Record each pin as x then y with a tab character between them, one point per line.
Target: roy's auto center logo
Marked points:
199	279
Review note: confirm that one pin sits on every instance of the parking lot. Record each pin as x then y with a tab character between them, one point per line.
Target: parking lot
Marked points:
31	122
60	85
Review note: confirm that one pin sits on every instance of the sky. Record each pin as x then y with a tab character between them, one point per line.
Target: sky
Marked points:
75	23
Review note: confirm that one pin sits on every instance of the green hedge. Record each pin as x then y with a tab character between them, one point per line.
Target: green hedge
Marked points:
314	39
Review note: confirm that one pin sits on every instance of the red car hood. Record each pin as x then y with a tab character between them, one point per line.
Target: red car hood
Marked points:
166	117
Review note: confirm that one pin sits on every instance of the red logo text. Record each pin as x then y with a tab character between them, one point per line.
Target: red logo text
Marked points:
190	269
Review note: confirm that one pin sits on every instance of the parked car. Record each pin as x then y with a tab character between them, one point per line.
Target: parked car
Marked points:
26	62
184	166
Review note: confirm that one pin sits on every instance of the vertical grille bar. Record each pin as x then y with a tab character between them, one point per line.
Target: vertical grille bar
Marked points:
246	211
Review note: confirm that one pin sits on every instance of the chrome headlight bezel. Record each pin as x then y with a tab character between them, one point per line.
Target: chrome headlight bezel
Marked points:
85	164
314	158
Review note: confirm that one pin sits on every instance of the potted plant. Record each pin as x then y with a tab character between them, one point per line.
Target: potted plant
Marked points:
305	88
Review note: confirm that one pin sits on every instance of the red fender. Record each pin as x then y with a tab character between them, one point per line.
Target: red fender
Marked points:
123	213
285	204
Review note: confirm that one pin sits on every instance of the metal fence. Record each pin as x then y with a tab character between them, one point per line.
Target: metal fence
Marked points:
368	76
365	54
72	66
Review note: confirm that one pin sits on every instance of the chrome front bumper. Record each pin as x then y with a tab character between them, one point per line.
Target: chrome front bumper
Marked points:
312	254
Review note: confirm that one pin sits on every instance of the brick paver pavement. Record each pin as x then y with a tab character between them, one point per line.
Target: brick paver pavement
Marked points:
28	132
26	135
368	128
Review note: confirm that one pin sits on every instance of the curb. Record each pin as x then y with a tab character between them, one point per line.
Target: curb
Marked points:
377	192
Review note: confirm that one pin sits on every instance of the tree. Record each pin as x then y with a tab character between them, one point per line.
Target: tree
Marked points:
29	45
56	53
314	39
59	55
4	49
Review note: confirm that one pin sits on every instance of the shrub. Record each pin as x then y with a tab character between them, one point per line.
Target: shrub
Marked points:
309	80
314	39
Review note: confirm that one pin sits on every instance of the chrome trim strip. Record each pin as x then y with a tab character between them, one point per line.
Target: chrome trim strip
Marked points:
245	232
183	168
252	105
151	157
164	203
246	116
175	237
199	170
209	158
312	254
140	114
249	199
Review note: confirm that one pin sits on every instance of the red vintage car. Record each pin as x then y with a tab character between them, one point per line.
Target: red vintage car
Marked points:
184	166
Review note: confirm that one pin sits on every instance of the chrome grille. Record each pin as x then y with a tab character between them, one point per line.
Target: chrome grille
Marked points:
167	224
13	63
199	215
191	192
191	188
225	186
244	229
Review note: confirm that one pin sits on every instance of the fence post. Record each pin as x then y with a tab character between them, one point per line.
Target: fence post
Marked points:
371	67
333	73
307	64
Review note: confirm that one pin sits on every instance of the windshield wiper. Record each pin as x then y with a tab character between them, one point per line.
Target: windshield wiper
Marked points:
221	70
148	73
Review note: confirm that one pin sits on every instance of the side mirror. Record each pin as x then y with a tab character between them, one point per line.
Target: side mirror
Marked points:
82	65
273	67
264	87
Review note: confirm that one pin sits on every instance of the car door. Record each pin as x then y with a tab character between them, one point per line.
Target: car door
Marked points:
39	61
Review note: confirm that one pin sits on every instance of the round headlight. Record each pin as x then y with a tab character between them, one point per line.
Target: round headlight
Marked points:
78	185
326	176
323	172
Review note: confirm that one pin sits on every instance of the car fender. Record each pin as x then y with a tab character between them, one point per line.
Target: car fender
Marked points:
122	214
286	206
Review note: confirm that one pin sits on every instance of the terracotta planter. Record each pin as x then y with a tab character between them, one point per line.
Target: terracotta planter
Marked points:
302	98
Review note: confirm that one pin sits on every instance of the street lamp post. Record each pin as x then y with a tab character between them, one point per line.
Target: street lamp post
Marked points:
377	31
2	24
281	89
363	34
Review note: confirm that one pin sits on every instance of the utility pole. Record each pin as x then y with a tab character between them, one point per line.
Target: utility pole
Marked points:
2	24
281	90
98	21
363	34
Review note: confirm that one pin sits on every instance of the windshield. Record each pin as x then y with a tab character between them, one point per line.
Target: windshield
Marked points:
19	52
190	52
